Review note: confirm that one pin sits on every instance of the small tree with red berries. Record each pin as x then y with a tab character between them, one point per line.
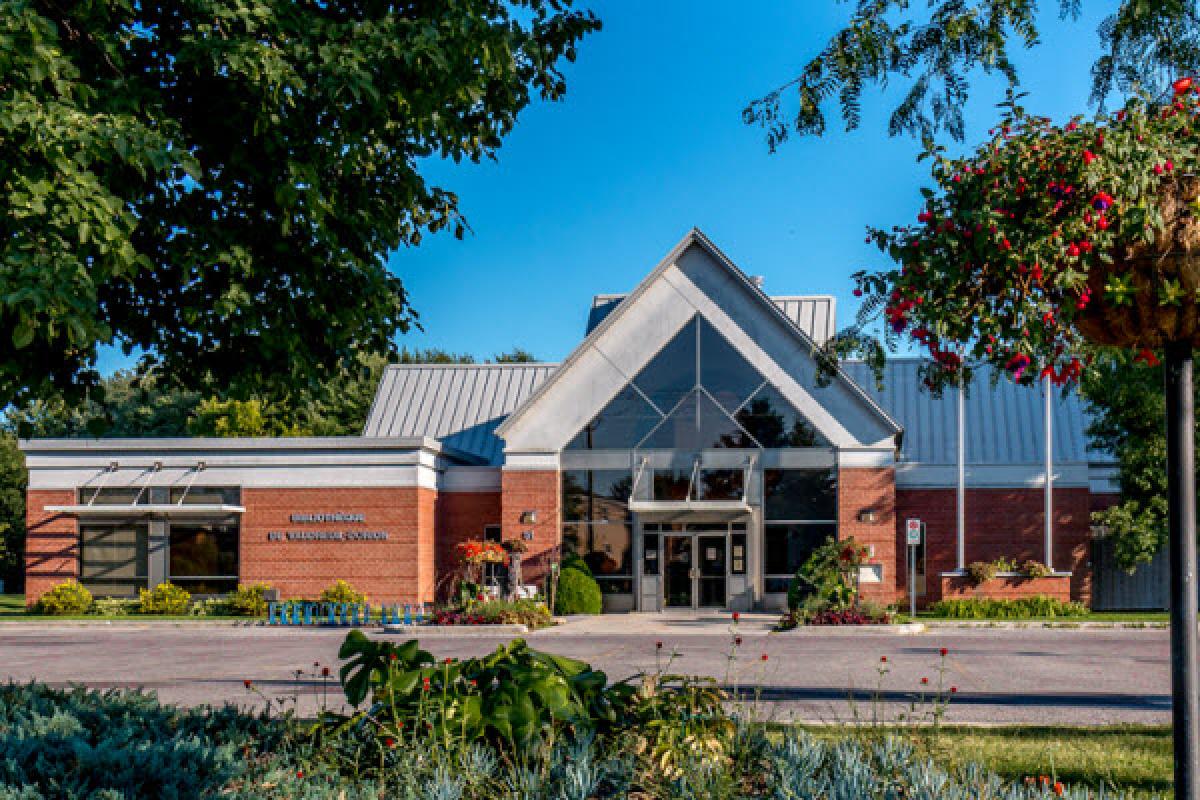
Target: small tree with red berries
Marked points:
1044	244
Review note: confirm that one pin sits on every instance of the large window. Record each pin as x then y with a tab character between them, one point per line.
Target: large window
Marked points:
597	527
697	393
800	511
113	559
204	557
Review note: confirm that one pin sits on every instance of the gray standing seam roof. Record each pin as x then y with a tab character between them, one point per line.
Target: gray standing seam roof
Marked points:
1003	421
460	404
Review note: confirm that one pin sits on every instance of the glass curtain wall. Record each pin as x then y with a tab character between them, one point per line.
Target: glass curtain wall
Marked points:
799	515
597	525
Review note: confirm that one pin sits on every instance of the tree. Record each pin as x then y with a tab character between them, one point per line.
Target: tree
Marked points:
126	405
13	480
518	355
232	418
218	184
937	52
433	355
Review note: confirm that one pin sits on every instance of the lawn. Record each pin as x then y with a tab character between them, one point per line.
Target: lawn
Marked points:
1135	758
11	604
1148	617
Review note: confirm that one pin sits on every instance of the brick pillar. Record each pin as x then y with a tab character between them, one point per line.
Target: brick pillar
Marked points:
873	488
536	491
51	542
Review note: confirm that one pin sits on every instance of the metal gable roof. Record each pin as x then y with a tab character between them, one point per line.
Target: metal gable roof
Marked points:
459	404
1003	421
462	404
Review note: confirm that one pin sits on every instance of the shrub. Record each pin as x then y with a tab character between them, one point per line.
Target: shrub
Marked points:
249	601
166	598
980	572
342	592
1017	608
113	606
1035	569
69	597
829	578
578	593
572	560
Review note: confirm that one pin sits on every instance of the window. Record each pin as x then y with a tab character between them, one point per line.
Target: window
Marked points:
800	494
493	573
113	559
206	495
697	393
650	553
596	494
123	496
800	511
737	551
597	526
204	557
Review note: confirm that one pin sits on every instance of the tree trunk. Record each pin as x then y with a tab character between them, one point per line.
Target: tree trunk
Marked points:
1181	515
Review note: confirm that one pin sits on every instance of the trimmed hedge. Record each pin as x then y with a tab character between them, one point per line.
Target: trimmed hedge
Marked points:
1019	608
166	598
578	593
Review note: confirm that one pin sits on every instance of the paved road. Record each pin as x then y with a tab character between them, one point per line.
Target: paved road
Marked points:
1002	676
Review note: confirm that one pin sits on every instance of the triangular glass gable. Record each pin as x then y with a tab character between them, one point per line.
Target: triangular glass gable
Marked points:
672	373
697	423
774	422
624	421
699	388
724	373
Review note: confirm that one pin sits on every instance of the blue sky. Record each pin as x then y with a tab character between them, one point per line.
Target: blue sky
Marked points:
589	193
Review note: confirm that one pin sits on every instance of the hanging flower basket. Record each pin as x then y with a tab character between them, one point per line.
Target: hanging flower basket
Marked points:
1047	241
1139	318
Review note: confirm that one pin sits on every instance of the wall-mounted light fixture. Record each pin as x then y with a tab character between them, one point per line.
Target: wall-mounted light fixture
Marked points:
528	517
867	515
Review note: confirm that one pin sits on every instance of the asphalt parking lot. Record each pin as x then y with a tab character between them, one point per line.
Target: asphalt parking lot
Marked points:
1039	676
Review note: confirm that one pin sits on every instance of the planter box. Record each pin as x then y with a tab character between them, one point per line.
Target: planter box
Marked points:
1006	586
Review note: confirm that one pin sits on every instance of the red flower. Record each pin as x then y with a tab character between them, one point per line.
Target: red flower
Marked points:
1182	85
943	651
883	659
736	616
953	690
924	681
1158	170
247	683
1147	356
1088	156
858	293
389	742
1059	788
658	645
325	672
764	656
299	773
425	684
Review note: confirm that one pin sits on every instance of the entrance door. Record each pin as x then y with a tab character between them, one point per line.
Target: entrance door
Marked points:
678	571
710	576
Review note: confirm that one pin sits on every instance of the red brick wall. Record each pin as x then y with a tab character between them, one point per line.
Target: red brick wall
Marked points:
860	489
398	569
51	542
461	517
538	491
1005	588
1000	523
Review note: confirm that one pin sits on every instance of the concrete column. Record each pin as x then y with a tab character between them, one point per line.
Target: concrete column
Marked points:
1048	433
960	511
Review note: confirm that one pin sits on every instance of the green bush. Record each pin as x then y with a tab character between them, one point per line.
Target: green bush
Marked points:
1019	608
166	598
114	607
828	579
572	560
578	593
249	600
69	597
342	592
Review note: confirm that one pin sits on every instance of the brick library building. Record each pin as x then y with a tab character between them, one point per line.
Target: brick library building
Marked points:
685	449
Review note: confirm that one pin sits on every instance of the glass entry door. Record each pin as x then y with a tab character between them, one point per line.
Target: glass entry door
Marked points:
678	571
694	570
710	576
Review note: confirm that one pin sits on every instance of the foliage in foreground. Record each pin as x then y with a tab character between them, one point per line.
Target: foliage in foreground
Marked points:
1037	607
77	744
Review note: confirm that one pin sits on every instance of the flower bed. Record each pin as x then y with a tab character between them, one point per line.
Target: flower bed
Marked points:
430	730
532	613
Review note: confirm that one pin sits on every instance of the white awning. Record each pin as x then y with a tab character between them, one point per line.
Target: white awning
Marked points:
150	509
690	510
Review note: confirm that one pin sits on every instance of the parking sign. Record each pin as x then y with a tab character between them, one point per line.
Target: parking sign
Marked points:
912	530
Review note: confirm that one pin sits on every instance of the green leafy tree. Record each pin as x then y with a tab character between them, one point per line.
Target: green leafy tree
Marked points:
1125	398
218	184
433	355
518	355
935	49
231	418
13	479
126	405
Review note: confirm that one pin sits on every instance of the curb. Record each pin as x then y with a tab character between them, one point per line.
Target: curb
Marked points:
904	629
1065	624
456	630
132	622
